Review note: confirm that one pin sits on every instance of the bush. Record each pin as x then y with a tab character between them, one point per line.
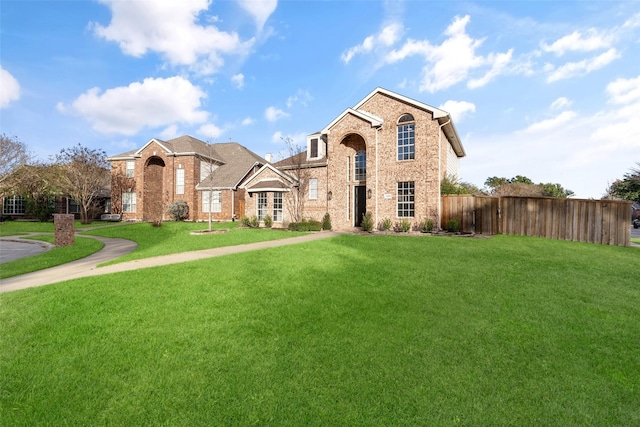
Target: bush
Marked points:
367	222
268	222
326	221
253	222
453	225
179	210
426	226
244	221
403	226
305	225
385	225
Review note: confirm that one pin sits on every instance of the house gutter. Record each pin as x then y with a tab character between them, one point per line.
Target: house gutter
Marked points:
440	172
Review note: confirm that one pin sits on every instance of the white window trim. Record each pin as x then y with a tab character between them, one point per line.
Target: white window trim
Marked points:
216	203
179	181
313	188
130	172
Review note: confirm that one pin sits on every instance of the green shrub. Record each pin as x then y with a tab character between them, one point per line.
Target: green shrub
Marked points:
305	225
403	226
268	222
244	221
426	226
385	225
367	222
453	225
326	221
179	210
253	222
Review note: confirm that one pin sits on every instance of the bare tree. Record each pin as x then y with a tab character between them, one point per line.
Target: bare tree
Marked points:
208	167
83	175
120	184
294	165
13	154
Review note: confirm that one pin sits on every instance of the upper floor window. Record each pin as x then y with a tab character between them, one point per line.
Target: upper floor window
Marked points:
130	168
360	168
406	137
313	188
179	181
313	149
13	205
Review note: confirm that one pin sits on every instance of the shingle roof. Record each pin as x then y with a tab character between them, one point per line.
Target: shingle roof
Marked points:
238	160
300	160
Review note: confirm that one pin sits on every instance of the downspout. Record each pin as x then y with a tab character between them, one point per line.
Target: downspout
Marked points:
440	173
377	180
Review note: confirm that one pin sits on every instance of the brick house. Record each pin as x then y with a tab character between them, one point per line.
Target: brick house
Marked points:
147	180
387	155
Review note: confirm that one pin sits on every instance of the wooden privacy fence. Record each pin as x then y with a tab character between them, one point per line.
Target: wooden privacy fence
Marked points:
605	222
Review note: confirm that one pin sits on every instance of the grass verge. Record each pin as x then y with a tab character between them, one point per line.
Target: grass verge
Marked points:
175	237
354	330
81	248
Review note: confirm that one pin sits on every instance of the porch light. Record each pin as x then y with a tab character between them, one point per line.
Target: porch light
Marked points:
329	195
368	193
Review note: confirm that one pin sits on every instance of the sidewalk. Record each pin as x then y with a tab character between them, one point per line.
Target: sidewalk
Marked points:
115	248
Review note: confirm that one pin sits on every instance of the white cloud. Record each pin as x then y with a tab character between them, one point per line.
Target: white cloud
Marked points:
452	61
594	40
10	88
274	114
624	91
210	131
151	103
169	133
560	103
458	109
574	69
238	80
248	121
302	97
260	10
551	124
387	36
277	137
170	29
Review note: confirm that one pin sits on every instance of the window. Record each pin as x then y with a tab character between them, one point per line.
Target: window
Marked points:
313	149
406	137
406	196
262	206
13	205
360	168
129	202
216	201
180	181
130	168
277	207
313	188
74	207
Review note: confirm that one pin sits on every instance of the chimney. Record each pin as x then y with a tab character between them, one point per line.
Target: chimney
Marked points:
267	157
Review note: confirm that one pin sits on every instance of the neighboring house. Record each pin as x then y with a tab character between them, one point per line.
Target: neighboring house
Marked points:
15	207
387	155
147	180
635	210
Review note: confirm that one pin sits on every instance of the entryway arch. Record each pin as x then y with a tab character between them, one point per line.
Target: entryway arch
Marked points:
153	206
356	176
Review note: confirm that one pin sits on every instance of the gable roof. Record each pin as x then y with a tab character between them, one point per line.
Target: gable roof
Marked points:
282	183
185	145
238	161
443	118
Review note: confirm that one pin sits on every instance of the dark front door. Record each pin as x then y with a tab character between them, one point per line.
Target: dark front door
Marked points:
360	207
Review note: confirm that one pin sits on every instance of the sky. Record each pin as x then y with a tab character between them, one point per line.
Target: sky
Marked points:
545	89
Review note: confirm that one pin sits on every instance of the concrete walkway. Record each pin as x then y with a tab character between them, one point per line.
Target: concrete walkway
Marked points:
115	248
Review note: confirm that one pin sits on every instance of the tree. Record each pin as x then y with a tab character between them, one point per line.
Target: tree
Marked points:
13	154
208	167
83	175
522	186
294	166
450	184
627	188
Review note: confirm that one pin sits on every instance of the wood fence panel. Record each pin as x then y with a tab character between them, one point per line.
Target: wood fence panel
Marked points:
596	221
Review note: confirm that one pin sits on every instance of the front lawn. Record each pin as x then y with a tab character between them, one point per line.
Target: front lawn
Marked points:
81	248
353	330
175	237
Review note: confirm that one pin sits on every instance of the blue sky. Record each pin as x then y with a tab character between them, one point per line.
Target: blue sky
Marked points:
545	89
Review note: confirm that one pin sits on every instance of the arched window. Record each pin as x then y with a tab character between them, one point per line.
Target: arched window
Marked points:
406	137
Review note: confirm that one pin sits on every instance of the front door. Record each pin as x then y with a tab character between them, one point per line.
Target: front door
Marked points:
360	207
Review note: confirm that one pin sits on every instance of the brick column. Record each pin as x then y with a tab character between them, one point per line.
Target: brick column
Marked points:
64	229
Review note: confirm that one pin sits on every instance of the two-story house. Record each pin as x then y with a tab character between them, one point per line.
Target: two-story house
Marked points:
386	155
207	177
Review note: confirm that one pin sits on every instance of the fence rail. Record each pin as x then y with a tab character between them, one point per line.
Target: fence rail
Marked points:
604	222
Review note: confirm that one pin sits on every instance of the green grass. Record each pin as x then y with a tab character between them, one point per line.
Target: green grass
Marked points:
81	248
13	228
175	237
354	330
